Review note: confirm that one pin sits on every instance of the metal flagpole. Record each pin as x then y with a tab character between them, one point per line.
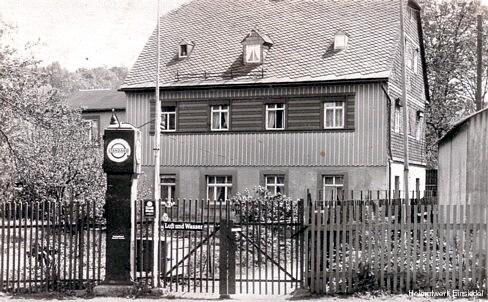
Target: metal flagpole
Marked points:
157	163
405	104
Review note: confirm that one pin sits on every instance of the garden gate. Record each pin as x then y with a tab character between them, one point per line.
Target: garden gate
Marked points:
219	247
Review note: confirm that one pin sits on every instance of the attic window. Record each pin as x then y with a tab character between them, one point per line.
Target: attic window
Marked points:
185	48
340	41
253	53
255	45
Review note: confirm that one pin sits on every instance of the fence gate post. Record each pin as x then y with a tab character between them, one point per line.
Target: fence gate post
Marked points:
227	260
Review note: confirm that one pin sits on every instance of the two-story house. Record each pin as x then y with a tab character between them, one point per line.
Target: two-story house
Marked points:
289	94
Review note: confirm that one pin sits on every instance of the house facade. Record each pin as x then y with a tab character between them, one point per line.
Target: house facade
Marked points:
96	109
291	95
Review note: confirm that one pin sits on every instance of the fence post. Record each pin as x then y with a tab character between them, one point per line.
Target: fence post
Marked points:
225	233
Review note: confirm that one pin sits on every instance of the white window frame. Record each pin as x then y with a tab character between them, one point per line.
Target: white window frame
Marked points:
89	124
397	118
165	118
218	109
333	185
274	186
334	108
167	185
259	51
419	128
415	58
226	185
275	108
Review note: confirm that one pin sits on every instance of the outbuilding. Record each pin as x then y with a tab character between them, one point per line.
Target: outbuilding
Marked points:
463	161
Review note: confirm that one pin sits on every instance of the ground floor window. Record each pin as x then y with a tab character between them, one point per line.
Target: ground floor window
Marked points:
275	183
219	187
168	187
332	187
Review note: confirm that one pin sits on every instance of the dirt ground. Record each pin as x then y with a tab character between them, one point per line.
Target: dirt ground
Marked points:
202	297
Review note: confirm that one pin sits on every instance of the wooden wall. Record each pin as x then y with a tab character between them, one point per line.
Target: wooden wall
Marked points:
365	145
463	163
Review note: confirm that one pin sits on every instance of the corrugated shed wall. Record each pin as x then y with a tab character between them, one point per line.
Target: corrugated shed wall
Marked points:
365	146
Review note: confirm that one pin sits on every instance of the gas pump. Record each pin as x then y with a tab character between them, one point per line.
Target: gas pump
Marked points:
122	164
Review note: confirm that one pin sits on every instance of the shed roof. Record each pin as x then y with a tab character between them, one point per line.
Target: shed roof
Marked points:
457	126
99	100
302	32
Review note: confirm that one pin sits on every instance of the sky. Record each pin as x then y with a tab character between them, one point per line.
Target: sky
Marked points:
82	33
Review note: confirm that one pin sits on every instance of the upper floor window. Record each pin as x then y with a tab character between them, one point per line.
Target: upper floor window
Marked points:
219	117
168	118
419	125
334	115
415	59
219	187
275	116
275	183
397	119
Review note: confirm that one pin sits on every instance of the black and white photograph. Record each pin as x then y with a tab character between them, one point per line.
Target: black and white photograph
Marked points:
246	150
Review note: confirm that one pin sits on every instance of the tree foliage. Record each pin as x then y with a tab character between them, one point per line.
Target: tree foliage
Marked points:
44	151
450	41
94	78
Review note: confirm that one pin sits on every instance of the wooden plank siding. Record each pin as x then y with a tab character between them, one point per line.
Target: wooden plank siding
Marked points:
415	94
362	145
247	115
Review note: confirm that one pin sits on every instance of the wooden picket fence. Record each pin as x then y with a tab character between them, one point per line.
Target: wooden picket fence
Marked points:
394	248
51	246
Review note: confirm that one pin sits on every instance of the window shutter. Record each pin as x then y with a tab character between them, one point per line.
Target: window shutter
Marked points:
152	116
350	112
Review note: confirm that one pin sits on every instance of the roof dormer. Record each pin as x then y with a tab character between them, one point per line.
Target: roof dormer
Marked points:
255	46
340	40
185	48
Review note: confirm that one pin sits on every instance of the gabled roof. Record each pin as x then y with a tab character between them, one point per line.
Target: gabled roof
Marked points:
98	100
302	32
266	39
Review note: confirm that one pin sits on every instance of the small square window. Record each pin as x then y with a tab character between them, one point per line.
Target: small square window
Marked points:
332	187
219	188
275	183
334	115
219	118
275	116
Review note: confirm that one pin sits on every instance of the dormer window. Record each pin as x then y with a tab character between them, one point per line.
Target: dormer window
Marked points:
340	41
253	53
255	46
185	48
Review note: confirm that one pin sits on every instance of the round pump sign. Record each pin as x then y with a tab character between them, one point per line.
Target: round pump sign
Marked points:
118	150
